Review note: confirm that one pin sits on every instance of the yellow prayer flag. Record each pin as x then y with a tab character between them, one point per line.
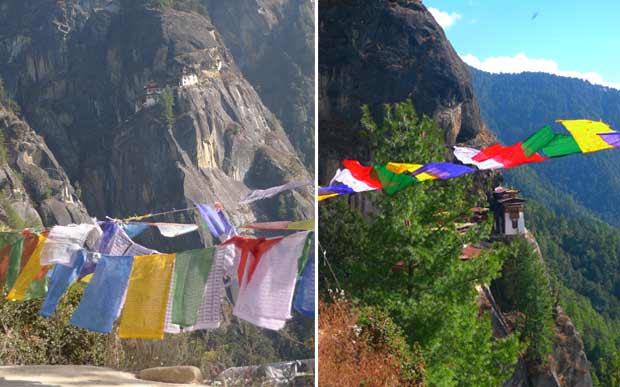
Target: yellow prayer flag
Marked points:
144	313
402	167
585	133
28	273
410	168
323	197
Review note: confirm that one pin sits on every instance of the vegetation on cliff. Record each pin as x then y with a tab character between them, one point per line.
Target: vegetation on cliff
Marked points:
404	259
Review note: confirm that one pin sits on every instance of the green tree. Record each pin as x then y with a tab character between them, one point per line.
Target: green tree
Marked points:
404	257
525	288
167	105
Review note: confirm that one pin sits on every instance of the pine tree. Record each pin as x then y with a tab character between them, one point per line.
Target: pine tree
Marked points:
167	104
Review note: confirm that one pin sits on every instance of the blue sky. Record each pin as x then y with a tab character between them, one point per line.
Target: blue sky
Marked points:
571	38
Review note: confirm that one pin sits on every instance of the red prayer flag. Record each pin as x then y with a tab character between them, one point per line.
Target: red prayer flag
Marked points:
362	173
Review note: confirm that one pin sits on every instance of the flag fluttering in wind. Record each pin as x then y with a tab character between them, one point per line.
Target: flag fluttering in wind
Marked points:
585	136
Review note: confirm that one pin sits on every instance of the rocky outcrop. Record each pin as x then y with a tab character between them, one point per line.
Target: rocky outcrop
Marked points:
178	374
79	69
566	366
376	52
34	188
272	42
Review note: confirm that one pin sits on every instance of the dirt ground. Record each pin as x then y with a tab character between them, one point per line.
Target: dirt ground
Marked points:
71	376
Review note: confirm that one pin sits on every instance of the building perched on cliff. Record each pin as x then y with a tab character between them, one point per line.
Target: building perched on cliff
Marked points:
507	210
150	97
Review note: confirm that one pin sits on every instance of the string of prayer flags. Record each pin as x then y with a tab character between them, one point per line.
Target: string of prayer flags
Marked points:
103	295
266	299
260	194
191	271
144	313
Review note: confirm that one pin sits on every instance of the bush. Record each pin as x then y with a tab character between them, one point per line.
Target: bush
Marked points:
363	347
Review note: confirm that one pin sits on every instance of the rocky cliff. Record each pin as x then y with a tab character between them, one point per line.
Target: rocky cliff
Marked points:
566	366
273	44
34	190
376	52
89	76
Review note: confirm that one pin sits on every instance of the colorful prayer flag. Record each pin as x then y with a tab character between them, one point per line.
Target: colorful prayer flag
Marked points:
191	270
144	313
586	134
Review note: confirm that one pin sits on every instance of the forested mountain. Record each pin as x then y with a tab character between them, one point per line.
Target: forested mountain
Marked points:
572	210
515	105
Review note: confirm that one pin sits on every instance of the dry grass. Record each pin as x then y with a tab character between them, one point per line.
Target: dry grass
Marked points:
346	357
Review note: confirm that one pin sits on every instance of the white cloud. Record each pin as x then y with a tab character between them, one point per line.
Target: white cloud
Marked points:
521	63
445	19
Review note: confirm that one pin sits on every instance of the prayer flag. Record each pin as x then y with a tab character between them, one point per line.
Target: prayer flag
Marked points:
362	173
144	313
267	299
538	140
466	156
586	134
28	274
191	270
444	170
561	145
260	194
392	182
103	296
62	277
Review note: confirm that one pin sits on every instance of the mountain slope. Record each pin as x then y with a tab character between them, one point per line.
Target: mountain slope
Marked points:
515	105
80	69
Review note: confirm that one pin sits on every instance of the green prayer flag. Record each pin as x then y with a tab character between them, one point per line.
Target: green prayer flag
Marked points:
561	145
305	253
537	140
390	181
191	270
15	258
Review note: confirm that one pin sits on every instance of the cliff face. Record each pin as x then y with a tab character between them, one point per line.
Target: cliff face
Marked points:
386	51
567	365
35	190
273	44
79	69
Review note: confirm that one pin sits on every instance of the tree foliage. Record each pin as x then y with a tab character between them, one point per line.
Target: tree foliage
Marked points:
583	253
525	289
167	106
404	257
